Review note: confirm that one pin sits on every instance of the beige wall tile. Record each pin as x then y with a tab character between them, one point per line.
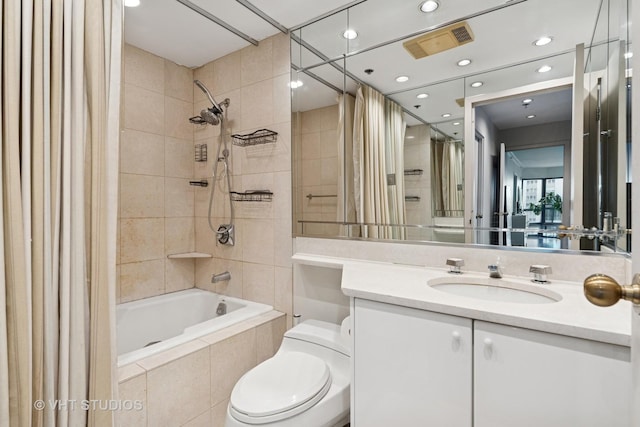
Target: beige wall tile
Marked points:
283	290
179	390
141	196
269	338
257	241
281	54
258	283
179	274
179	235
257	105
282	195
282	242
179	197
233	287
257	62
142	239
202	420
226	73
143	69
141	280
230	359
179	157
137	105
219	413
133	391
178	81
281	99
141	153
177	113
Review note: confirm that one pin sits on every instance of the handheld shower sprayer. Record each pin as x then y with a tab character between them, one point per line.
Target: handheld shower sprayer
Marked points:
213	114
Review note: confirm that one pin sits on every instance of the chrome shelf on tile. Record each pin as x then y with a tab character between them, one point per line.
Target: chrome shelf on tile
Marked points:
252	196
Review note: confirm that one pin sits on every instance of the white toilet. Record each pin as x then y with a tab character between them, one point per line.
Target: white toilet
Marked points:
306	383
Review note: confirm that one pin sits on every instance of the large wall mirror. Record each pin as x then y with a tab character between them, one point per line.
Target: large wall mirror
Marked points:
495	123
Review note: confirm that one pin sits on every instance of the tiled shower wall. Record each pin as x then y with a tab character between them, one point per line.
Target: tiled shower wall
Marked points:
161	214
156	213
255	79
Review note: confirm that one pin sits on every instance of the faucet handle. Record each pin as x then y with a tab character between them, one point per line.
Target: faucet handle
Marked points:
455	264
540	272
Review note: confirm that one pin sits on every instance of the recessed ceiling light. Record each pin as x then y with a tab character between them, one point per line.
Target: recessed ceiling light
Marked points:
456	123
132	3
409	137
544	69
464	62
402	79
296	84
476	84
542	41
422	95
527	101
628	55
429	6
350	34
445	115
531	116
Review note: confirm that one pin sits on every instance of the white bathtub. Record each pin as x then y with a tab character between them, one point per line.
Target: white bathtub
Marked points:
173	319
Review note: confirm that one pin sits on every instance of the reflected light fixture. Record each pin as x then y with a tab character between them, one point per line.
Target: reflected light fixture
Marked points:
544	69
527	101
429	6
132	3
531	116
350	34
422	95
628	55
464	62
456	123
445	115
476	84
543	41
295	84
402	79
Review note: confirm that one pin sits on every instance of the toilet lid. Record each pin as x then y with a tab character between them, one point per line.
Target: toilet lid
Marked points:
280	384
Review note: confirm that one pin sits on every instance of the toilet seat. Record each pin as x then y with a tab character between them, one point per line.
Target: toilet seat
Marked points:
279	388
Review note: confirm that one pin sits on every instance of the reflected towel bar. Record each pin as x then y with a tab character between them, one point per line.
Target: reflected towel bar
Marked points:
311	196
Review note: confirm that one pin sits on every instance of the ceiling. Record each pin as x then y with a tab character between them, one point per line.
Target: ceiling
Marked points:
502	53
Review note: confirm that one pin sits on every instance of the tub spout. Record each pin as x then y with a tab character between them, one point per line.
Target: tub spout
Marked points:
221	277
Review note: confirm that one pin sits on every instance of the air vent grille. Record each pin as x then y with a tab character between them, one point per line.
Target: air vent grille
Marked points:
439	40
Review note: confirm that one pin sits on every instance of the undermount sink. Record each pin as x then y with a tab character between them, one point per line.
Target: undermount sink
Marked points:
495	290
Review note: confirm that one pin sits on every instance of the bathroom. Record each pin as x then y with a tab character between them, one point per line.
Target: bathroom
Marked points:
295	235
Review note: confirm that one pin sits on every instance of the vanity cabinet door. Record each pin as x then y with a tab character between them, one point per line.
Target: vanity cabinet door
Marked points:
410	367
530	378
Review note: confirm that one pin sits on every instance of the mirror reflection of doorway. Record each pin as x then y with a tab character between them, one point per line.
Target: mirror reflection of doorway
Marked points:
535	194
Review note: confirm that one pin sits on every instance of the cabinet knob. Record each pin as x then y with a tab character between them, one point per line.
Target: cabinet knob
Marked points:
455	343
604	291
488	347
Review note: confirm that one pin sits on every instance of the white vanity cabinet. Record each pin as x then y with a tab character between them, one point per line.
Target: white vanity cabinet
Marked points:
418	368
530	378
411	367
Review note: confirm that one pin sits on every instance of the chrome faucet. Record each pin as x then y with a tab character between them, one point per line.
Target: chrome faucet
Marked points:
540	273
455	264
221	277
495	271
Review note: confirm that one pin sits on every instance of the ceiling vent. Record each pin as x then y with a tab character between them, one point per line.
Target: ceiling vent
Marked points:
439	40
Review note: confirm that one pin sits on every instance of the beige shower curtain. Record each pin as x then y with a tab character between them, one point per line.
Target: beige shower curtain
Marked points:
346	210
395	129
58	192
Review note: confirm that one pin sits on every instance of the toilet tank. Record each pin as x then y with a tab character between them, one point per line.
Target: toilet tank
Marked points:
320	333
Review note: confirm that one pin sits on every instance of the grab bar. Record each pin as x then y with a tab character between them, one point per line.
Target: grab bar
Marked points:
311	196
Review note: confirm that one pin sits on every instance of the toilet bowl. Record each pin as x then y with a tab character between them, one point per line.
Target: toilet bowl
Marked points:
306	383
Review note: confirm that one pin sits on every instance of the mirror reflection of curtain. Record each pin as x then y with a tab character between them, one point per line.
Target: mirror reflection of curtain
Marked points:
369	164
346	197
446	168
395	129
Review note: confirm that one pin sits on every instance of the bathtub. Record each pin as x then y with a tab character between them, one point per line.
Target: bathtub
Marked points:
151	325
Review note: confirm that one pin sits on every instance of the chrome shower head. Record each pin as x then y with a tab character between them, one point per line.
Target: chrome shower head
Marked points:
210	116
